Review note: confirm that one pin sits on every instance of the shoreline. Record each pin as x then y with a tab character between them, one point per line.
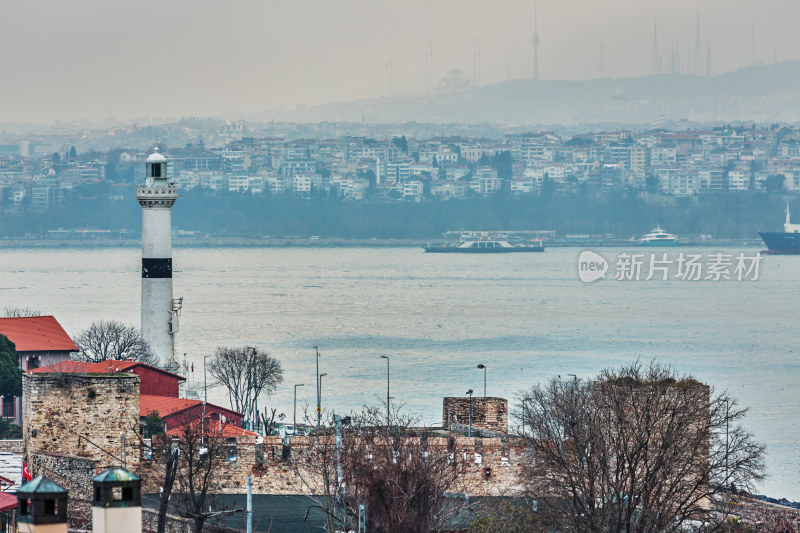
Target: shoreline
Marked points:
295	242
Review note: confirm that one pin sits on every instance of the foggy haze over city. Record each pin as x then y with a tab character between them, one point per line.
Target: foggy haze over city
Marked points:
93	60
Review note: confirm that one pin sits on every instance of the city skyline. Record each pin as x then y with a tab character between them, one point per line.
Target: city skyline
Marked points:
89	60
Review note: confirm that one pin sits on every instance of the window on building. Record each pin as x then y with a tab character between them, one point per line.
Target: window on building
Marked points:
9	407
33	362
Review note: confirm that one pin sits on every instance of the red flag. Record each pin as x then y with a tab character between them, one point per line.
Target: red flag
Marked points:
26	474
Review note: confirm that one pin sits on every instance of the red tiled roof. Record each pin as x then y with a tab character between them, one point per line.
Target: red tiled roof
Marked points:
215	428
108	366
37	334
167	405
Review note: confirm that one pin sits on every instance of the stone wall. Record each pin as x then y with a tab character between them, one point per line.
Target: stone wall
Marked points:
81	415
487	413
274	475
11	446
74	474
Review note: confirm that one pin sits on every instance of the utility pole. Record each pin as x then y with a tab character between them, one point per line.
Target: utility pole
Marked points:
319	407
388	411
249	504
469	430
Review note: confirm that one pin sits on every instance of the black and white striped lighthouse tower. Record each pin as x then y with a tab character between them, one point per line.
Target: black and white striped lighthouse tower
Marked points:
159	310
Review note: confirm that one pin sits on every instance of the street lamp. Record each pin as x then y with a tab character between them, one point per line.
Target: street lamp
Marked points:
319	411
253	352
387	389
319	390
469	430
294	416
205	400
483	367
524	414
727	483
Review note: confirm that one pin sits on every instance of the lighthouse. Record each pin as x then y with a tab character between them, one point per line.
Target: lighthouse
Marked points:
159	310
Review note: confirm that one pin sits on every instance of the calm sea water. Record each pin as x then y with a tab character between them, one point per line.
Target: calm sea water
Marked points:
526	316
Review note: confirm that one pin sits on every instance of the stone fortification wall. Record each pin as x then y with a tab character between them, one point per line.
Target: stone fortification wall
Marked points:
274	475
82	415
487	413
74	474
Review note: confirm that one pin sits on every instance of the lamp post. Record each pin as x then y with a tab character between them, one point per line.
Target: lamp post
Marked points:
319	412
483	367
524	414
469	428
388	412
205	401
255	405
727	484
294	416
319	390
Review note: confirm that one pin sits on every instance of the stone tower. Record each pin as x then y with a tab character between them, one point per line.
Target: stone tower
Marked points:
159	310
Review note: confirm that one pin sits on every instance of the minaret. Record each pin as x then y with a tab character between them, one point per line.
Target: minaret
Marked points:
535	42
656	57
696	65
159	310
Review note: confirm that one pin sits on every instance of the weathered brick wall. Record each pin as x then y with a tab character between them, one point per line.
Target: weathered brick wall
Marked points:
487	413
74	474
11	446
82	415
273	475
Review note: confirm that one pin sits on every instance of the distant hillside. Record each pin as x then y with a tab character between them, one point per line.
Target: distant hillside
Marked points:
762	93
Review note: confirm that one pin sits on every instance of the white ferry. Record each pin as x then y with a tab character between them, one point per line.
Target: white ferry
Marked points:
658	237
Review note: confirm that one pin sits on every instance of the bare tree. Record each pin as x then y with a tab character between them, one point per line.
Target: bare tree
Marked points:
634	450
406	482
113	340
247	374
16	311
508	516
201	458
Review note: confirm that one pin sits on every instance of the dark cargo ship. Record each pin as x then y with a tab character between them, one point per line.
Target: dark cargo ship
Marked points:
783	242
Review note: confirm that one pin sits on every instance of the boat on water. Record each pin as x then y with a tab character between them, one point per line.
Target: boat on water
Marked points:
658	237
783	242
482	242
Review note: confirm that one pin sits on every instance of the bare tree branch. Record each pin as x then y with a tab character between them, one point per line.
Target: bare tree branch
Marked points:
636	450
16	311
113	340
247	374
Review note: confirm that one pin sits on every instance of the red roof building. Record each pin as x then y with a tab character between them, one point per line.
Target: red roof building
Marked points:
158	391
40	341
154	381
175	411
37	334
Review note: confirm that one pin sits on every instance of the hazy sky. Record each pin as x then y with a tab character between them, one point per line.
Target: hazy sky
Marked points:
99	58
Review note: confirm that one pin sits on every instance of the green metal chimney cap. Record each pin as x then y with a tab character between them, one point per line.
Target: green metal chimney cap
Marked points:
41	485
116	475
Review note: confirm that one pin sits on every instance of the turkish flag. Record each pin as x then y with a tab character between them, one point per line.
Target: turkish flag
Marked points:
26	474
